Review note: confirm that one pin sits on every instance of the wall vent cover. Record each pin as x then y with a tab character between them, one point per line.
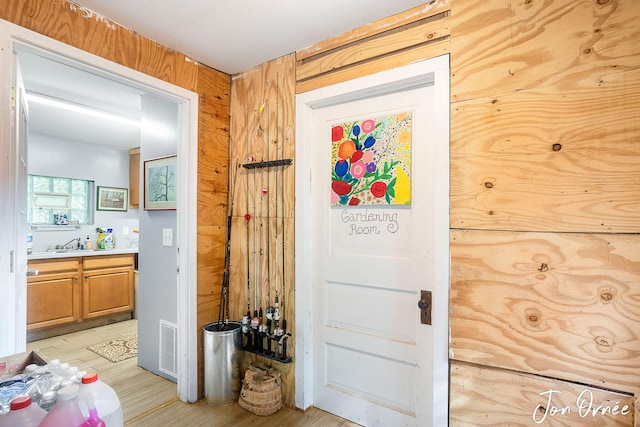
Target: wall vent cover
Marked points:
168	348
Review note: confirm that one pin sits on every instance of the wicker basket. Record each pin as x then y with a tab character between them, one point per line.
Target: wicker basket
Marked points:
261	391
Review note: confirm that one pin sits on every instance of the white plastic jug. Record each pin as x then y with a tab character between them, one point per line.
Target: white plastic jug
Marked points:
22	414
105	398
66	412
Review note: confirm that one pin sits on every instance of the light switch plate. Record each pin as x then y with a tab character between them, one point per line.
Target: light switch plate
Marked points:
167	237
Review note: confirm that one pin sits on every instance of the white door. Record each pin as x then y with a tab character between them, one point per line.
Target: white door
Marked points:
374	362
13	257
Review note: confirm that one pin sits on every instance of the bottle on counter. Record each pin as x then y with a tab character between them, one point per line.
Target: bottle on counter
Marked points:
87	243
109	239
101	235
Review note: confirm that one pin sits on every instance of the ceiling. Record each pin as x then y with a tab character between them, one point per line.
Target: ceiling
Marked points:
230	36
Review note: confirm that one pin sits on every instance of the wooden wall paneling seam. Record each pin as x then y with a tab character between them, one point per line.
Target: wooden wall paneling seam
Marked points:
403	38
386	62
429	9
484	396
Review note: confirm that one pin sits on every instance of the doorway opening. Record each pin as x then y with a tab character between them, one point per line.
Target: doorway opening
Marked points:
159	98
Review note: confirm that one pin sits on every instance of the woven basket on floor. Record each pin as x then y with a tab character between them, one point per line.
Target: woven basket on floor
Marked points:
261	391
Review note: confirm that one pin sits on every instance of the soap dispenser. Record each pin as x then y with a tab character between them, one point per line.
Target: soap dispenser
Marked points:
87	243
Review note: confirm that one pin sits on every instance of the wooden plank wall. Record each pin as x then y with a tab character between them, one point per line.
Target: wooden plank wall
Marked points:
545	195
81	28
262	129
545	203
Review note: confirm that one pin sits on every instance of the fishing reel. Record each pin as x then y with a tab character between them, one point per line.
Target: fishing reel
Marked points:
255	322
245	324
270	310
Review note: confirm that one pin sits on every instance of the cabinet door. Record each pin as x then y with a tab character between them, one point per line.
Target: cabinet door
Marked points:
107	291
52	300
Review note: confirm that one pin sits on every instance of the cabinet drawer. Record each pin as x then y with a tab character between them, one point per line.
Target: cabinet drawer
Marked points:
54	265
107	261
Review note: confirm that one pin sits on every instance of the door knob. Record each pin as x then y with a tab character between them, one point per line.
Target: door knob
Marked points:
425	307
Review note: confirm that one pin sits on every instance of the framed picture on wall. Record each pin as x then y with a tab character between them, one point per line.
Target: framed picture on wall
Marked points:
112	199
160	183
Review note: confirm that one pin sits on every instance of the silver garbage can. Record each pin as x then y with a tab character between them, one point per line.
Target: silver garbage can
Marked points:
222	346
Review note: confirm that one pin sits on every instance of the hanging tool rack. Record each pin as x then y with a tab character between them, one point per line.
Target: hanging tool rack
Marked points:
265	339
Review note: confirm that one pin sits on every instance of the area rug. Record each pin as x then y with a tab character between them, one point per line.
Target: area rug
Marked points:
117	350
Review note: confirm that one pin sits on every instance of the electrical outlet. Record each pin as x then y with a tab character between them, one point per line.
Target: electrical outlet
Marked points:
167	237
125	230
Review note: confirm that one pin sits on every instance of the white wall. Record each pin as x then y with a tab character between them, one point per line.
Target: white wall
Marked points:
73	159
157	277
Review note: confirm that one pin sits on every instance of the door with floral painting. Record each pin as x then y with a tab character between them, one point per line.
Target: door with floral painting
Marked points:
379	197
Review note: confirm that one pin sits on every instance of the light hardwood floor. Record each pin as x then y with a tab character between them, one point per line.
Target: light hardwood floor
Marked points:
150	400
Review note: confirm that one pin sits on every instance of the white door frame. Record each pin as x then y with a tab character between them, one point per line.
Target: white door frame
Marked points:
187	382
398	79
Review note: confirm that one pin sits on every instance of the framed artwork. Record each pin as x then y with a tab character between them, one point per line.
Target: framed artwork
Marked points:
160	183
112	199
371	161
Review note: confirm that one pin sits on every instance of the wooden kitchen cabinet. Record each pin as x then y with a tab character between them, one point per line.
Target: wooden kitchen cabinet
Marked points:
54	295
134	177
108	285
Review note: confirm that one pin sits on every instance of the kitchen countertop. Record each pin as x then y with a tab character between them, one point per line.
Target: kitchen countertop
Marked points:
77	253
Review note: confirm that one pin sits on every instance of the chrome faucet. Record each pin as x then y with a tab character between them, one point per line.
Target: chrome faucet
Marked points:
65	246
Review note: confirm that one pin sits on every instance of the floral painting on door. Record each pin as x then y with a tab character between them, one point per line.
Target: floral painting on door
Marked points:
371	161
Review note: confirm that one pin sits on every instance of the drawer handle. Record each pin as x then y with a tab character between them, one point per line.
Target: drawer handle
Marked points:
32	272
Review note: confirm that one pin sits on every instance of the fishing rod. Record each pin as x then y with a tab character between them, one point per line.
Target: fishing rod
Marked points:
255	321
282	333
223	308
247	217
284	140
277	330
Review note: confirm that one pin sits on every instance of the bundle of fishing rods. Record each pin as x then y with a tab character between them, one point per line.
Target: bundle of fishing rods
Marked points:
264	325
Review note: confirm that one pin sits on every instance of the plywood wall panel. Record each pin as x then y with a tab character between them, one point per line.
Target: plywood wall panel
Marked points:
502	47
482	396
82	28
559	305
262	252
549	159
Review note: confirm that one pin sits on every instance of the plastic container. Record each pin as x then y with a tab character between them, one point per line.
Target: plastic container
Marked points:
22	414
105	398
66	412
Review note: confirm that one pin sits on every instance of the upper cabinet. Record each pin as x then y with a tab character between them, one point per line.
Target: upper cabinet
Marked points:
134	177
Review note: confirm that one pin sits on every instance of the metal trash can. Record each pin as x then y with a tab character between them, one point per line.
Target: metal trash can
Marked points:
222	345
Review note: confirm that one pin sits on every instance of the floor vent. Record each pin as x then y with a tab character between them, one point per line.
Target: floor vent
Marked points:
168	348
